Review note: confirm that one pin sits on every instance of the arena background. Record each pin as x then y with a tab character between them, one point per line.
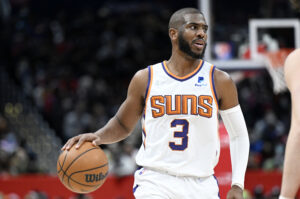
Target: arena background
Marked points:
65	67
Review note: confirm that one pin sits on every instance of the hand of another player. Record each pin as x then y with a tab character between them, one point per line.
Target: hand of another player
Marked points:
79	139
235	193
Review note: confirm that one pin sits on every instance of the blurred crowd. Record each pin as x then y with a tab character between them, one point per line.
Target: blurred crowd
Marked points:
15	156
268	119
75	66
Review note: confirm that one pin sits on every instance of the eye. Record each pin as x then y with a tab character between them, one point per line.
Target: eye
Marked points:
193	27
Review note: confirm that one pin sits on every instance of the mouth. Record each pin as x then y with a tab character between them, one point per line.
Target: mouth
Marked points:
199	43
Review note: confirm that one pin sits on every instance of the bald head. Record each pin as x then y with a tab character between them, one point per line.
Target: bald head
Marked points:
177	19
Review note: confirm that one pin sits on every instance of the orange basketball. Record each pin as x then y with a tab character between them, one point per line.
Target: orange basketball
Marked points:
82	170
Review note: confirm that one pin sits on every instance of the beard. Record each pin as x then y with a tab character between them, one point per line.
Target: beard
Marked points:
184	47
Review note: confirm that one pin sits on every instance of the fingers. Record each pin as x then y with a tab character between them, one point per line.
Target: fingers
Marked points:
88	137
96	142
71	142
80	139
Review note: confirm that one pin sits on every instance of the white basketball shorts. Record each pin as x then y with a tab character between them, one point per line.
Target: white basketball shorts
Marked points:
150	184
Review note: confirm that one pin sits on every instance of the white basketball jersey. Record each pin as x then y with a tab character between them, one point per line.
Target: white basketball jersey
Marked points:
180	122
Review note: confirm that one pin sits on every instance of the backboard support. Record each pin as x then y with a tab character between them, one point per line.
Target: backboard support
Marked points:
255	61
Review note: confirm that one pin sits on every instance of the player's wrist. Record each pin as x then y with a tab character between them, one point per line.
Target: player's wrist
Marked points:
238	185
282	197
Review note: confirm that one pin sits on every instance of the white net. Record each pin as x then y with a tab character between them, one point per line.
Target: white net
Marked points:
275	57
274	62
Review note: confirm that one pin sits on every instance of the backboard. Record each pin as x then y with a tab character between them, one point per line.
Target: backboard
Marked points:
256	27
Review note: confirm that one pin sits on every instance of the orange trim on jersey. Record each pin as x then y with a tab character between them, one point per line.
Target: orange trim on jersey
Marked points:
186	76
212	87
149	89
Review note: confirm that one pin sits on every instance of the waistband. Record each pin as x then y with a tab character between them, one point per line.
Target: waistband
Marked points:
175	174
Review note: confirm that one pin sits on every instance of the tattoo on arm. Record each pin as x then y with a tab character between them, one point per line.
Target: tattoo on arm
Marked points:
121	124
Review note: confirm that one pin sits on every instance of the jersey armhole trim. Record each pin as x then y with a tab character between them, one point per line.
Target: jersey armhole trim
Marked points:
148	89
212	86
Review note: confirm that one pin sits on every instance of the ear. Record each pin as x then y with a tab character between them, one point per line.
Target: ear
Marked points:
173	33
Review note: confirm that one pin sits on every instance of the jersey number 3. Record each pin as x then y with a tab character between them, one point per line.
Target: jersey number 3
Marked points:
183	134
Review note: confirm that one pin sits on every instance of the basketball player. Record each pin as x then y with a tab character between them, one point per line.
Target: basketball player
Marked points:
179	101
291	176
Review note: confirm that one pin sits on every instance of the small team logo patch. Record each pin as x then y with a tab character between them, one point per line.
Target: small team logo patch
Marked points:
200	82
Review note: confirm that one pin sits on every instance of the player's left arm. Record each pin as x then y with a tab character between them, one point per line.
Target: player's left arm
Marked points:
234	122
291	177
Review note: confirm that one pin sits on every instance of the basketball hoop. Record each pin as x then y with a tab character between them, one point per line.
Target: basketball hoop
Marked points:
274	62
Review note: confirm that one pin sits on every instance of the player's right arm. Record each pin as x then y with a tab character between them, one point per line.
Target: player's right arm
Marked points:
122	124
291	177
235	125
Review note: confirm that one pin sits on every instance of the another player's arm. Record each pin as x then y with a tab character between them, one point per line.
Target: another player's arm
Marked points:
291	177
122	124
234	122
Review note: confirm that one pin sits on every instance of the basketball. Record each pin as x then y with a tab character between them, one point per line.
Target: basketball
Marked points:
82	170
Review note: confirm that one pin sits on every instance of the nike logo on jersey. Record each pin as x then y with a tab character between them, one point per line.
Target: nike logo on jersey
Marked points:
181	105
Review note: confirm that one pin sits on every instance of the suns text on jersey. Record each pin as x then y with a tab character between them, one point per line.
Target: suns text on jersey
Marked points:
181	105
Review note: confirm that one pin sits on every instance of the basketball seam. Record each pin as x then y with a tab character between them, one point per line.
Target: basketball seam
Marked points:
77	159
69	177
61	166
76	181
89	169
83	184
80	183
74	161
64	173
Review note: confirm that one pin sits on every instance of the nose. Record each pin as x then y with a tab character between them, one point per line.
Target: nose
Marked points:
201	33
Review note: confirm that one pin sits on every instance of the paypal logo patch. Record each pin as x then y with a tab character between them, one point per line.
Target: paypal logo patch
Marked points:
200	82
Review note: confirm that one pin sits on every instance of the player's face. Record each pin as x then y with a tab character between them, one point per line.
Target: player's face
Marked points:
192	36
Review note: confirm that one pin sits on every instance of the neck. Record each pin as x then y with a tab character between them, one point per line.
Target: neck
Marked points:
181	65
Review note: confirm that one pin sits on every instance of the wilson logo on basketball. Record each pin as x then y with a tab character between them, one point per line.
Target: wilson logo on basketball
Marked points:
95	177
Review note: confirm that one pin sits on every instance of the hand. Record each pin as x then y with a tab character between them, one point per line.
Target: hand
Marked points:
92	137
235	193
